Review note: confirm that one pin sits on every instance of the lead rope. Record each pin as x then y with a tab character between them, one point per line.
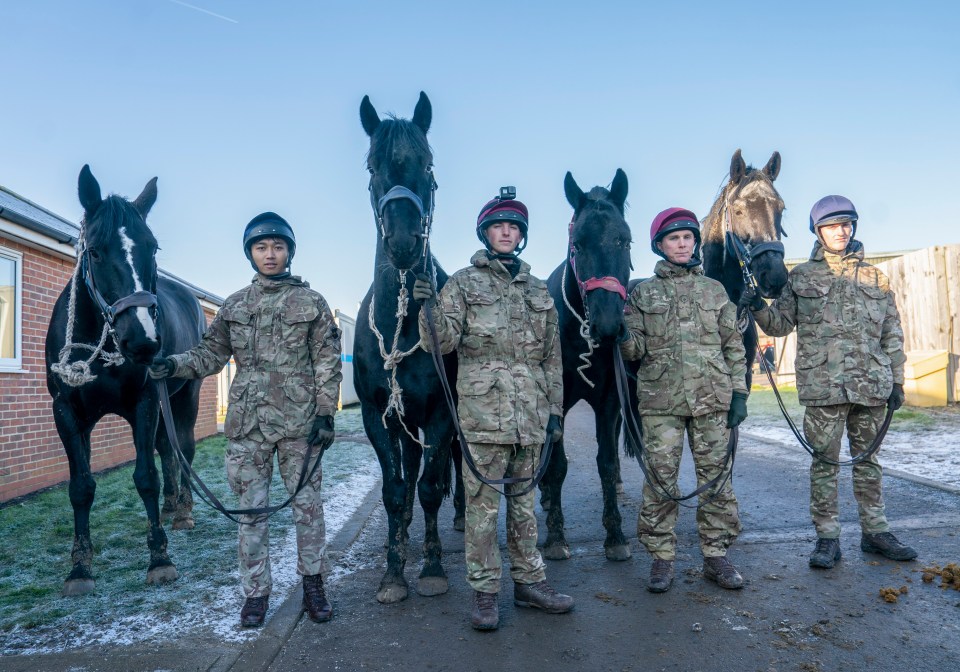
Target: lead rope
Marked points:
584	331
392	360
78	373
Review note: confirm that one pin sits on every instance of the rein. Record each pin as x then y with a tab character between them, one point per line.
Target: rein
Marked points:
745	321
201	489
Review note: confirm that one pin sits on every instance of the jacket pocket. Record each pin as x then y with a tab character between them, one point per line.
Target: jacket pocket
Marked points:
482	313
479	404
720	380
233	423
539	306
813	379
653	387
656	322
708	310
299	408
875	305
811	302
240	323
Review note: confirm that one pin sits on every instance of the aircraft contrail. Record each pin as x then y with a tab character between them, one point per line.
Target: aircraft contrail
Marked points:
205	11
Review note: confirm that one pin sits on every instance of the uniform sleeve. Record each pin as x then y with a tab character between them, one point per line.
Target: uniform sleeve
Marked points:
635	346
449	314
210	355
780	317
891	338
731	341
325	346
553	363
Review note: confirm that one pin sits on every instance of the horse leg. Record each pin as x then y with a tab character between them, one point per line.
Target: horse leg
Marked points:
615	546
436	470
459	497
616	452
555	548
76	443
393	586
145	477
171	471
185	405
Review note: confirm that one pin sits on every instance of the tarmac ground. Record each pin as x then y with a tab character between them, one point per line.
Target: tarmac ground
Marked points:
787	617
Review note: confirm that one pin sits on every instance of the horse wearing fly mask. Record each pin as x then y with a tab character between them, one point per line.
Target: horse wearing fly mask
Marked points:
588	289
747	214
399	389
109	322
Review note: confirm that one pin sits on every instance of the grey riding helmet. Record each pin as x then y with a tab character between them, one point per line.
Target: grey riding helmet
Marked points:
833	210
268	225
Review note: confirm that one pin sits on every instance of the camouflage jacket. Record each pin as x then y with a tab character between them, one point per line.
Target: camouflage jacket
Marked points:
504	330
683	330
849	340
287	350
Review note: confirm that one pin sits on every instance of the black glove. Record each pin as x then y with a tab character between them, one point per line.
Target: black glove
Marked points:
555	428
738	409
896	398
423	289
162	367
322	433
750	299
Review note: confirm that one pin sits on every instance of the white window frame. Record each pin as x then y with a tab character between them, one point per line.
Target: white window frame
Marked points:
15	364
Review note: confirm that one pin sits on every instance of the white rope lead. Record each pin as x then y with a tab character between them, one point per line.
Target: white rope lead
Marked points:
392	360
584	331
78	373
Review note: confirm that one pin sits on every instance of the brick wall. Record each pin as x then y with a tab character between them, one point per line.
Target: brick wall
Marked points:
31	455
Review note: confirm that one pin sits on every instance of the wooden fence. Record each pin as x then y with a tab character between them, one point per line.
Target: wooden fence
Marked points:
927	286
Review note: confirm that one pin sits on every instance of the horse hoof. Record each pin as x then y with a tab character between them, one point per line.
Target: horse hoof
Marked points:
428	586
183	524
162	574
459	524
556	552
75	587
617	553
391	594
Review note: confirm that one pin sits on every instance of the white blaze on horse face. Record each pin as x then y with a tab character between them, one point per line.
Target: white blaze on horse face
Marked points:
149	328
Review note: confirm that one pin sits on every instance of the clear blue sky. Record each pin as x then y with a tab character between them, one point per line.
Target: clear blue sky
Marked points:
242	106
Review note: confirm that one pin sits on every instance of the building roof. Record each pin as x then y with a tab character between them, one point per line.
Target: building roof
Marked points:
28	214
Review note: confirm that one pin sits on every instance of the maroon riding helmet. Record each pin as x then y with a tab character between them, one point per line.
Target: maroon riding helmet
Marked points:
675	219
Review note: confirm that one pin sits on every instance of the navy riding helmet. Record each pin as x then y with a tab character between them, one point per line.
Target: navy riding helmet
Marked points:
832	210
268	225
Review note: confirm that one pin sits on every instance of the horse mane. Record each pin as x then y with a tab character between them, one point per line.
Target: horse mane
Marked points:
710	231
394	131
115	212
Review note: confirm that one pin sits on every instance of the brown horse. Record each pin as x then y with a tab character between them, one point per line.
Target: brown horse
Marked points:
750	207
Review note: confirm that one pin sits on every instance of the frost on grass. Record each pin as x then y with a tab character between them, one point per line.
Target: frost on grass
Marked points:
203	603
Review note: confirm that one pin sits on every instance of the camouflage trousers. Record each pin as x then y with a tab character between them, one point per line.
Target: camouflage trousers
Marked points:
823	428
483	508
718	520
249	464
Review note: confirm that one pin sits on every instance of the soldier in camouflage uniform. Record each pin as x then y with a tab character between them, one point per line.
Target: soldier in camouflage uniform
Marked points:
503	325
849	367
282	400
692	378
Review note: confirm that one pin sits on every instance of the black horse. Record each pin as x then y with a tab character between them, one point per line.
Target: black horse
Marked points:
115	299
588	289
399	389
749	207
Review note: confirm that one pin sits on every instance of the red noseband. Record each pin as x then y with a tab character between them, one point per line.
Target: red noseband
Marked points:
609	283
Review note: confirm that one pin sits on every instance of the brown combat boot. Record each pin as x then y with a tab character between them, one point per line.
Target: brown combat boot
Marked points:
486	611
661	576
254	610
315	599
541	595
722	572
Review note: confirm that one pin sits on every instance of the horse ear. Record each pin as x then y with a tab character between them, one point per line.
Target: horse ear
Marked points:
88	189
618	190
772	169
423	113
572	190
738	167
147	198
368	116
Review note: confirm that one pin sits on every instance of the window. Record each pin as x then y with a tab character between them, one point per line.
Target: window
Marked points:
10	310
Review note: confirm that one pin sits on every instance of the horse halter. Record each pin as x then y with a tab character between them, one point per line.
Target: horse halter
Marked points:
110	311
398	192
607	282
745	252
